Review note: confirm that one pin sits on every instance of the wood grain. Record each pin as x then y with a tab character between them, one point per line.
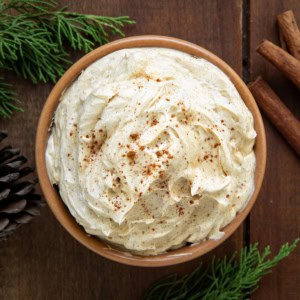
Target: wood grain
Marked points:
41	261
275	217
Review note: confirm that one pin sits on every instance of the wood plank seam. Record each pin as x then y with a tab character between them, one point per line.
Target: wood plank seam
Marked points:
246	78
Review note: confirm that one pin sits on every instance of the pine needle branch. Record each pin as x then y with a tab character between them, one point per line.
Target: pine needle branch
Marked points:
23	6
224	280
33	40
34	35
82	31
29	50
8	102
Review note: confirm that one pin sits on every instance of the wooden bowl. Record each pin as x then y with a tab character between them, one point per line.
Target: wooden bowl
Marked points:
56	204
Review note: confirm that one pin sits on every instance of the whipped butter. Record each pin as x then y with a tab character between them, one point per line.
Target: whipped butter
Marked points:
151	149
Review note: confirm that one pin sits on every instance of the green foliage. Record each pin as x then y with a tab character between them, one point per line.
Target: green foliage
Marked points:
8	102
225	279
34	36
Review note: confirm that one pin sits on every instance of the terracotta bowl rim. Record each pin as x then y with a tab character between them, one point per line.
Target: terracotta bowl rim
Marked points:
55	203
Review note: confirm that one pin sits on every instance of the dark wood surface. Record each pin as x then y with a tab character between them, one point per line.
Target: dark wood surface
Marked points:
276	215
41	261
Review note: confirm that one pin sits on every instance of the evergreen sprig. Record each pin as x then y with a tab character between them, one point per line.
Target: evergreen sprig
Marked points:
225	279
8	101
35	34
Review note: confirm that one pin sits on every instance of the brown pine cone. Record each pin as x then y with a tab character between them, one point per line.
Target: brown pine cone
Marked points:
18	201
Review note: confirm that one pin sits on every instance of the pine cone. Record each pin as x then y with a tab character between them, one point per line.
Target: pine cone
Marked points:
18	202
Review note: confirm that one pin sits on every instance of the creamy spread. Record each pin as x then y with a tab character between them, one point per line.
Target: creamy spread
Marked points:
151	149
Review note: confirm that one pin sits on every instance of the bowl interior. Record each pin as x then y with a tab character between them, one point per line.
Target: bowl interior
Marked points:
53	198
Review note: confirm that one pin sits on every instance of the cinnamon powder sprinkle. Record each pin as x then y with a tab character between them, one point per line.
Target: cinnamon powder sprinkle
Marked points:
161	174
154	122
131	154
180	211
134	136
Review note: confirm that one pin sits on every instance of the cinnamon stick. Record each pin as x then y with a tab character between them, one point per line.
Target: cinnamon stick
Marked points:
290	31
282	41
282	60
287	124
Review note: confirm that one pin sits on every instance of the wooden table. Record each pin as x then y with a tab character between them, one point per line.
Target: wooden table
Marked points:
41	261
